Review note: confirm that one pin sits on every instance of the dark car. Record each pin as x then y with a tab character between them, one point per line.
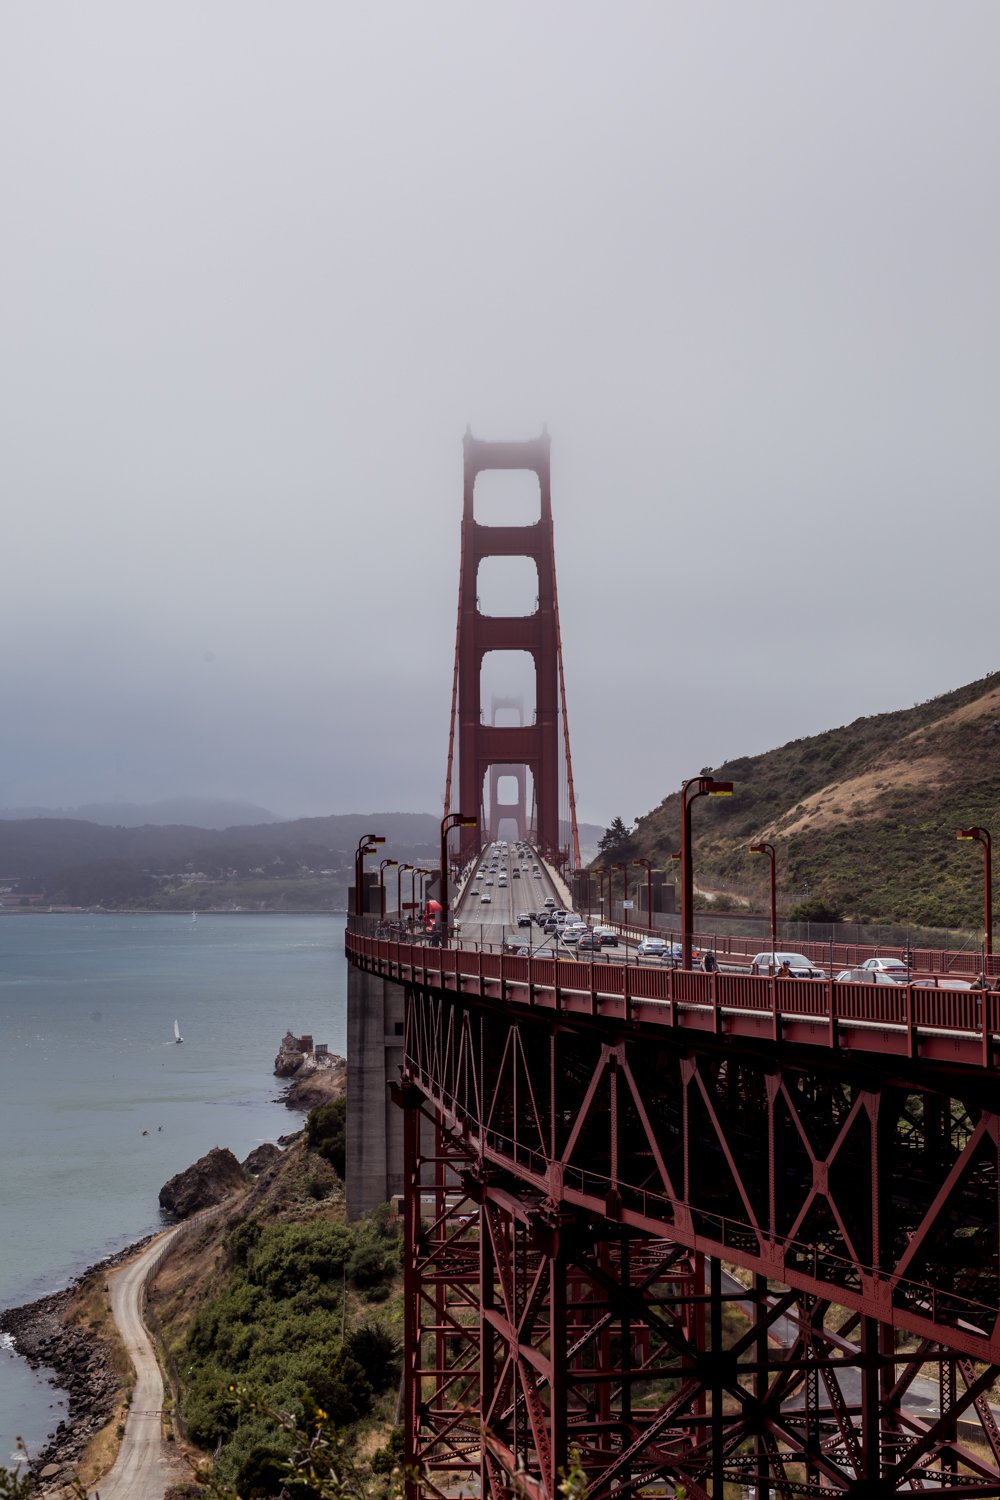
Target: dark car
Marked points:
589	943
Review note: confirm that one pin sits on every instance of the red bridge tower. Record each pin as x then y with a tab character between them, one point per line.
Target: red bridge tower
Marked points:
534	747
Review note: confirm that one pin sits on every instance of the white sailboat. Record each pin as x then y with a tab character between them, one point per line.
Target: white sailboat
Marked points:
177	1034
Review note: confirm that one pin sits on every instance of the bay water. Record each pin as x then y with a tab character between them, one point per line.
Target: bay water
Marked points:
98	1104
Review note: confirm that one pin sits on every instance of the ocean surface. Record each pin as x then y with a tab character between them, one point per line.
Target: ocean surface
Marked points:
99	1106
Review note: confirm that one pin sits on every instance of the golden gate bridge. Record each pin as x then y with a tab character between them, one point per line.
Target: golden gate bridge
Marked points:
696	1229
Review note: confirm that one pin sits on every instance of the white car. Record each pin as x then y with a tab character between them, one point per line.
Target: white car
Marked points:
484	900
865	976
893	966
800	966
652	947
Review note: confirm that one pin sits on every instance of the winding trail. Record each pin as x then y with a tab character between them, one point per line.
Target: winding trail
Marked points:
142	1470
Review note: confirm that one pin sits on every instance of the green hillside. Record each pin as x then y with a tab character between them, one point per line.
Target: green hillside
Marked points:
862	818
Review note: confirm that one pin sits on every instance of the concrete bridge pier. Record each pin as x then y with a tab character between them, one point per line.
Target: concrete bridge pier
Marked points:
375	1011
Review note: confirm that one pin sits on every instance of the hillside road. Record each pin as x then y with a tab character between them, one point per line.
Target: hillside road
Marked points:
141	1471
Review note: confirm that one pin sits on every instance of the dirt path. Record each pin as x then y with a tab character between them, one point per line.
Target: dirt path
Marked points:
142	1470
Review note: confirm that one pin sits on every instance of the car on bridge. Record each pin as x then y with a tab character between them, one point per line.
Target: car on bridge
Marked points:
524	919
589	942
866	976
608	936
652	947
799	966
484	899
673	953
893	966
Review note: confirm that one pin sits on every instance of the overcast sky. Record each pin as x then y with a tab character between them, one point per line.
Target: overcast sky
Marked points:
261	264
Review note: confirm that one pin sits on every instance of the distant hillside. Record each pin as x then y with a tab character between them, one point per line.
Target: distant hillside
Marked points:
193	812
863	818
88	864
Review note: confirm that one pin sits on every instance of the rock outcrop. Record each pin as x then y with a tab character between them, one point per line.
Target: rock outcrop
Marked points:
317	1076
260	1158
318	1079
215	1177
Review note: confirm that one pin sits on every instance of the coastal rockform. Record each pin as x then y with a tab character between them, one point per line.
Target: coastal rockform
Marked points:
211	1180
262	1157
81	1365
317	1074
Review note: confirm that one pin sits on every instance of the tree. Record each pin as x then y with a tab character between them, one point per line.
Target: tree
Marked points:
615	838
326	1132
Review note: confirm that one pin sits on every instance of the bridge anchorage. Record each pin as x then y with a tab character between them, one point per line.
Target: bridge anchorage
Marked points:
709	1231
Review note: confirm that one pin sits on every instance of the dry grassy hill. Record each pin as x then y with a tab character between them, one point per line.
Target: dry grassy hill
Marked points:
863	818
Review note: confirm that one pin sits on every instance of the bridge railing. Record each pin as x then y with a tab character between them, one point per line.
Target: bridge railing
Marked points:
674	997
737	950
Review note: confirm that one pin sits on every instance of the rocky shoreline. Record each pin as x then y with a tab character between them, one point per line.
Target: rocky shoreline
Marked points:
80	1364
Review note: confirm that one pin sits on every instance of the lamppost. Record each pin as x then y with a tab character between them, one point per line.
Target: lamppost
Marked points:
366	845
982	836
768	849
399	889
448	822
580	876
649	889
600	871
695	786
624	870
381	885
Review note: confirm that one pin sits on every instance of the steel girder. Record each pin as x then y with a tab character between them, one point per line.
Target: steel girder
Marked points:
862	1210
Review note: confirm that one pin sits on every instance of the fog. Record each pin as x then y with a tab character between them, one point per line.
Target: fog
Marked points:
261	266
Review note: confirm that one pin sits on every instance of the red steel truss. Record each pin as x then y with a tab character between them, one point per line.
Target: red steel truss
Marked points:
535	747
694	1255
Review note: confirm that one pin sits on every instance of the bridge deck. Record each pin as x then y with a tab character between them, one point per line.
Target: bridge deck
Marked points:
949	1027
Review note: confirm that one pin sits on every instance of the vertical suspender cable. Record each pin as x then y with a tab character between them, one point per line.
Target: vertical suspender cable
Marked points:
454	679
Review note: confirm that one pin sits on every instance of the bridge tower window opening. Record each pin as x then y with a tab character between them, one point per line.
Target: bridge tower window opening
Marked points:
507	497
508	675
507	587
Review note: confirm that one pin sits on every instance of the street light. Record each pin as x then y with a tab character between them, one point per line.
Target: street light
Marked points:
366	845
624	870
448	822
580	876
399	888
381	885
649	889
768	849
982	836
695	786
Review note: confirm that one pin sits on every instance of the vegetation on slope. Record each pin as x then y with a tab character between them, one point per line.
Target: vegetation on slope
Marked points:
863	818
287	1300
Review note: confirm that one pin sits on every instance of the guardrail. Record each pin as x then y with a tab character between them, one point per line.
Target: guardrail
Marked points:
738	949
906	1020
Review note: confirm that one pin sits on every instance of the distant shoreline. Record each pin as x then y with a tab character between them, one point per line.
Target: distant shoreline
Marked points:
158	911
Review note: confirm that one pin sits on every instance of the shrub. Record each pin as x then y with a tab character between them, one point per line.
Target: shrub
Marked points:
815	909
326	1132
377	1351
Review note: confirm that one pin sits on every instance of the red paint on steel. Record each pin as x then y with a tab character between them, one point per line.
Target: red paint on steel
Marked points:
534	746
558	1292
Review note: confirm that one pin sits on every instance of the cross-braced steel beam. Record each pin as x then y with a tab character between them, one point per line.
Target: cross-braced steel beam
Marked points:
709	1267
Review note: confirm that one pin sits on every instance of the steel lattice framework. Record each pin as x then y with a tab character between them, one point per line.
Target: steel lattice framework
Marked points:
539	747
694	1255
